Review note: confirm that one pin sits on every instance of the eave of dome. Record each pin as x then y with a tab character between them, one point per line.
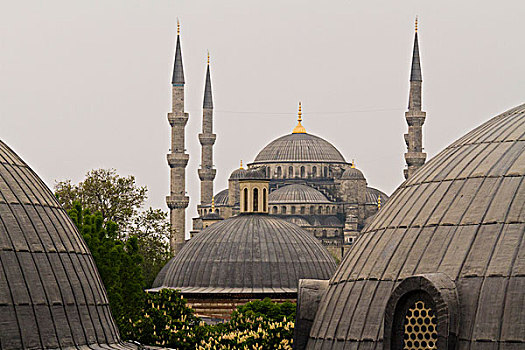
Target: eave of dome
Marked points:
297	194
305	148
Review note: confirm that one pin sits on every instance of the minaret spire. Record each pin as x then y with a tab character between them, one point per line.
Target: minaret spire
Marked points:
415	157
177	158
207	140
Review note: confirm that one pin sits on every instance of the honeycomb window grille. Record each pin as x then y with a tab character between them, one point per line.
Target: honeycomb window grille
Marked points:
420	328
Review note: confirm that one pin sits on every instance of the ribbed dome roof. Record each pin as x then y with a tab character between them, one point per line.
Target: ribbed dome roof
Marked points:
253	253
221	198
238	174
353	174
297	194
299	148
461	215
51	295
372	196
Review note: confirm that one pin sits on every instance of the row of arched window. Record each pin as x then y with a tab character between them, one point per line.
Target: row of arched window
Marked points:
255	200
301	172
205	212
312	210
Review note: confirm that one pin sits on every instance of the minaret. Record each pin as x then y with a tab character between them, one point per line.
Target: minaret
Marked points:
178	158
414	157
207	140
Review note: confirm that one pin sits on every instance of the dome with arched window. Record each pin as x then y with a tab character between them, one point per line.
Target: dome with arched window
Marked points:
441	265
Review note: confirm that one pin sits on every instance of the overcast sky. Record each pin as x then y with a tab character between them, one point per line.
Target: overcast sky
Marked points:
86	84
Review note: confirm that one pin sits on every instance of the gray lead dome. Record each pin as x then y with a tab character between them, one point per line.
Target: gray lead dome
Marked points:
456	228
51	295
299	148
252	253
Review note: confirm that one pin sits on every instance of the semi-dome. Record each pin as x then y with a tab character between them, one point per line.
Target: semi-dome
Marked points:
51	295
373	195
221	198
352	174
297	194
299	148
447	250
251	253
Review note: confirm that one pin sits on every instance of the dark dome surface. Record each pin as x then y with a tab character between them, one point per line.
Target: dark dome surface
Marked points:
221	198
461	215
253	253
238	174
51	295
299	148
297	194
353	174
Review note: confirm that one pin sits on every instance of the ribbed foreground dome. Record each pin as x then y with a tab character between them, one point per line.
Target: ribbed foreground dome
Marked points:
51	295
452	237
253	253
297	194
299	148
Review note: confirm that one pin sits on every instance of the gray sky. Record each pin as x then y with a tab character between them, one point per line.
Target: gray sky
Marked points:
86	84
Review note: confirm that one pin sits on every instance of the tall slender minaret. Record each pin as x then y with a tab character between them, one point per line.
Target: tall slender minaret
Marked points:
178	158
415	157
207	140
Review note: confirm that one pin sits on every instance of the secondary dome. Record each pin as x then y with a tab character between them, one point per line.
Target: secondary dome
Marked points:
447	250
297	194
353	174
299	148
251	253
51	295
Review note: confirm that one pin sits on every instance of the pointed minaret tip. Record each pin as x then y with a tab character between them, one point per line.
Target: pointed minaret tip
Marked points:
415	73
299	129
178	70
178	26
416	24
208	97
208	58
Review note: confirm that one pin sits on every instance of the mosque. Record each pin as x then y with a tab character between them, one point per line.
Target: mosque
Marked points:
311	183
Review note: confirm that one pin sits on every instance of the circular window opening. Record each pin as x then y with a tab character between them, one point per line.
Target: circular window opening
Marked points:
420	327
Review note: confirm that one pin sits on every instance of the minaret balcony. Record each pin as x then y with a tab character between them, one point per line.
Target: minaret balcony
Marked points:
415	118
176	119
207	174
415	158
178	160
177	202
207	139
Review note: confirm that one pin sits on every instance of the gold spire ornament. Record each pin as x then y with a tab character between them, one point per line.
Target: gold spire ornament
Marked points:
208	58
353	164
416	24
178	26
299	129
213	204
241	165
378	202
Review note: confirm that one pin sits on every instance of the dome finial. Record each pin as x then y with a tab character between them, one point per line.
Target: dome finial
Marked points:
299	129
178	26
213	204
353	164
416	24
208	58
241	165
378	202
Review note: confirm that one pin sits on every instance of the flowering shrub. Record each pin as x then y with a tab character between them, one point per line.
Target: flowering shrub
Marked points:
167	321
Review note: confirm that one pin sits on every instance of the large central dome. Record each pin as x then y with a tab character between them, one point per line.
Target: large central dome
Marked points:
299	148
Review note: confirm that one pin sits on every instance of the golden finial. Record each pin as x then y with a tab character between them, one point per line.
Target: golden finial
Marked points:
213	204
299	129
353	164
178	26
378	202
208	58
241	165
416	24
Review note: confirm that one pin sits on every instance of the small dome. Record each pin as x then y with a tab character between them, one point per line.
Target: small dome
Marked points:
299	148
256	174
451	235
353	174
221	198
248	254
332	221
238	174
51	295
372	196
297	194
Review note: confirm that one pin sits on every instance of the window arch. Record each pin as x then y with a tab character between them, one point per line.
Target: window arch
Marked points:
279	172
303	210
325	170
264	200
314	171
303	172
255	199
290	171
312	210
412	319
245	199
293	209
283	209
320	210
275	210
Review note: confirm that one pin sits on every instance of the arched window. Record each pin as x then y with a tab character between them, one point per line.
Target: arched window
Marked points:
283	210
327	210
279	171
217	211
245	199
293	209
290	171
334	210
324	233
275	210
314	171
264	200
302	171
312	210
325	170
303	210
320	210
255	199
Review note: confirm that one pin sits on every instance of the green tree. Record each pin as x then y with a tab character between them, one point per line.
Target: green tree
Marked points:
118	262
117	198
